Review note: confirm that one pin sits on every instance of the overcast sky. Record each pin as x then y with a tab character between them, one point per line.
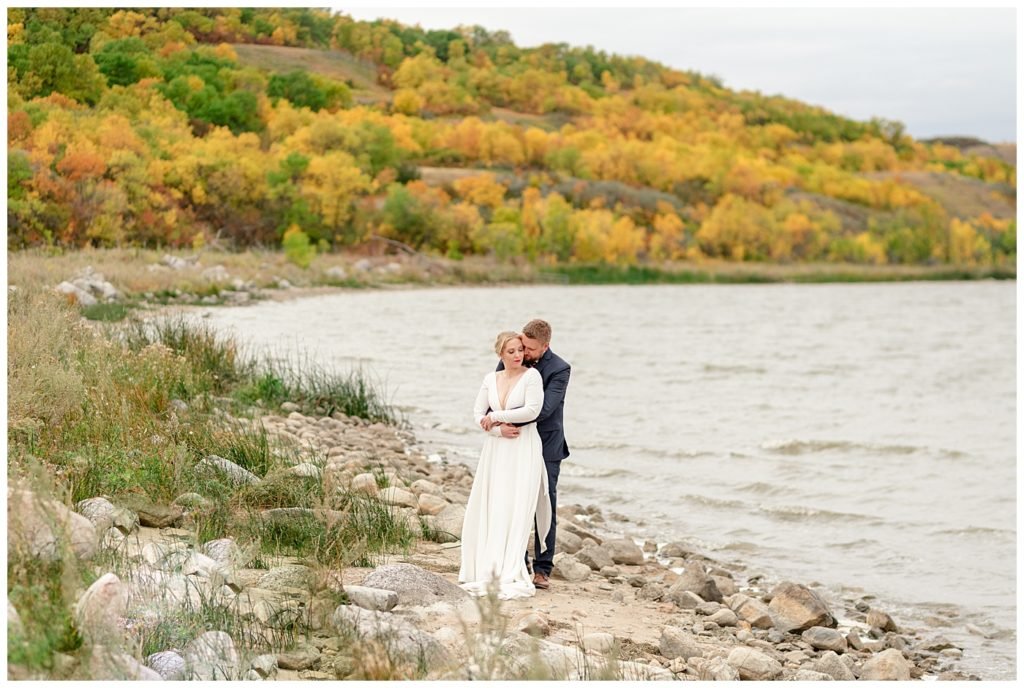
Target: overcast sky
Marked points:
940	71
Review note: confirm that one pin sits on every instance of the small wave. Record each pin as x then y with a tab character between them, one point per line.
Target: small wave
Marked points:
736	368
762	488
578	471
977	530
794	513
794	447
852	544
715	502
645	451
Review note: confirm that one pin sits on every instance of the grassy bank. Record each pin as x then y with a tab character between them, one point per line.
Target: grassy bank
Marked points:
144	278
129	411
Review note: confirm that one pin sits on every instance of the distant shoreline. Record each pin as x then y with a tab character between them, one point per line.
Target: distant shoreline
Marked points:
145	278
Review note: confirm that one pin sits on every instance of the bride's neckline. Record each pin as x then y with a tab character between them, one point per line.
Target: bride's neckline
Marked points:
501	402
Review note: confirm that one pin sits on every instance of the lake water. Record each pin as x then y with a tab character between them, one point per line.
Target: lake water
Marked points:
852	435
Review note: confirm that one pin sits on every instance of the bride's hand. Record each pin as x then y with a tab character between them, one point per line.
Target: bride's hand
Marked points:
486	423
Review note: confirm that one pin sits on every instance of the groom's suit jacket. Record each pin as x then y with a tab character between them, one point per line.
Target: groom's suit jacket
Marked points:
554	372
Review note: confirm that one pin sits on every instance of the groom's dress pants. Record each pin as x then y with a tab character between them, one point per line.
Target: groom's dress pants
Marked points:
543	561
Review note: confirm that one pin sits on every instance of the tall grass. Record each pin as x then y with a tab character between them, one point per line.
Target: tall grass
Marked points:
97	409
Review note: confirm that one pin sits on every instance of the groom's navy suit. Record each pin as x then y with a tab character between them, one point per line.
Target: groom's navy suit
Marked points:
554	372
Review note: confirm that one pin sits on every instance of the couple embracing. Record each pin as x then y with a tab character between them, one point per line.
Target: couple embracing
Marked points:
519	406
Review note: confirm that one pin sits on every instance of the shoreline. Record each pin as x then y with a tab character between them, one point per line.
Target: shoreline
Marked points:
145	279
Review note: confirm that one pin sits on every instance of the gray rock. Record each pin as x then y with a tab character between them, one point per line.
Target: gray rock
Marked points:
808	675
287	576
427	487
336	272
304	470
399	497
718	669
695	580
821	638
430	504
192	501
687	599
567	567
831	664
365	482
399	636
450	520
708	608
676	642
226	551
723	617
99	511
41	527
235	474
753	665
372	598
725	585
298	659
262	668
755	612
415	586
567	542
169	665
110	663
798	608
101	607
624	551
213	657
889	665
674	550
534	623
601	643
80	295
879	619
596	557
150	514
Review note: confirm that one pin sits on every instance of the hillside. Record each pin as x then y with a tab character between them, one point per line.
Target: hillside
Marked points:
179	127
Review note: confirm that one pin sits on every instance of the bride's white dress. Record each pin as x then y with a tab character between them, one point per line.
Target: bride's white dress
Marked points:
509	489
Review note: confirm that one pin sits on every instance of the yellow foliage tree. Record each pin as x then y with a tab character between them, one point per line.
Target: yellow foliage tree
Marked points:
481	189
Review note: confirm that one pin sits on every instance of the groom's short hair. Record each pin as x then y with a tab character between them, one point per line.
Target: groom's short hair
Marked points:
539	330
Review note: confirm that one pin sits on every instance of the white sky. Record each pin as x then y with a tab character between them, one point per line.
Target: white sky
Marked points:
939	70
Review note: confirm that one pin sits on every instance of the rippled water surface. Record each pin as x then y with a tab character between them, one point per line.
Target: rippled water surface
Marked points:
853	435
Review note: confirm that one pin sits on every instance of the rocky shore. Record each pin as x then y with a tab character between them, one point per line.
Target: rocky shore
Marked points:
618	608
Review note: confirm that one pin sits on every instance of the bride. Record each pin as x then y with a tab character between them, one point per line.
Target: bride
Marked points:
510	487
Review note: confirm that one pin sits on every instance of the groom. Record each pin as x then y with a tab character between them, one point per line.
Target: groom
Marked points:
554	372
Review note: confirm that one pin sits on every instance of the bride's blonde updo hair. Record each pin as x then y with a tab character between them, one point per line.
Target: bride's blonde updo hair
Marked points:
502	340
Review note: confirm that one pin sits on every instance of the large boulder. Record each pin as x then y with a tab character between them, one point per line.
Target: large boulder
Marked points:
568	567
399	636
821	638
41	528
414	585
624	551
234	473
450	519
889	665
567	542
100	608
676	642
797	608
595	556
104	515
753	665
169	664
213	657
694	579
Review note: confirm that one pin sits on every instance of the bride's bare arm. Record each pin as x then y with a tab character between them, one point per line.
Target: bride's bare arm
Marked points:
534	401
